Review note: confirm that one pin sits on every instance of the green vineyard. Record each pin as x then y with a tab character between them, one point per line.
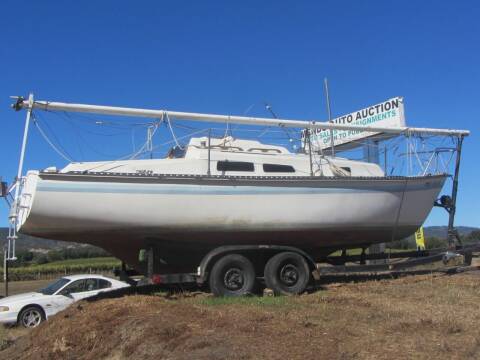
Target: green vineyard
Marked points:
64	267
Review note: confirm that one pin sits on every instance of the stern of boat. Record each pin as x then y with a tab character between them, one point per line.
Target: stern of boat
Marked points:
417	202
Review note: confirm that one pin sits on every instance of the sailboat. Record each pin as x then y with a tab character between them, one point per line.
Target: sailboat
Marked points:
222	191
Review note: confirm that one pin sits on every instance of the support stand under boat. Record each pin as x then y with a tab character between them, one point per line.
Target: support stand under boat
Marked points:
9	251
371	154
449	203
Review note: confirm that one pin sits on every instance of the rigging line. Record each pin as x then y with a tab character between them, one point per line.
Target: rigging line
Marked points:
95	118
184	127
45	137
180	138
146	143
59	144
72	125
63	115
82	138
247	110
135	154
128	156
176	125
133	139
227	129
67	117
251	130
104	134
263	132
171	130
268	107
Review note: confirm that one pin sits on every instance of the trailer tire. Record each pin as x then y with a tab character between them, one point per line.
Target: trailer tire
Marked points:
287	273
232	275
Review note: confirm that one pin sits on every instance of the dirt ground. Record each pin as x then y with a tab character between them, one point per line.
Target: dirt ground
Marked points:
414	317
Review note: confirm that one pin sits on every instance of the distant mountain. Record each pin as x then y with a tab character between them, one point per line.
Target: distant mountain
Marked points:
26	242
441	231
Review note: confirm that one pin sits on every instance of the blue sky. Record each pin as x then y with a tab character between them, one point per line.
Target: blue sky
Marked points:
222	57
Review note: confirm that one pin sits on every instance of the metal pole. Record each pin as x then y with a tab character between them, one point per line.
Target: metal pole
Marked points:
371	153
149	141
209	136
18	180
385	159
452	233
310	151
5	272
332	142
24	145
150	262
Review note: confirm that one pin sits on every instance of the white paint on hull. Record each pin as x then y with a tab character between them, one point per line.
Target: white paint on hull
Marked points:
67	208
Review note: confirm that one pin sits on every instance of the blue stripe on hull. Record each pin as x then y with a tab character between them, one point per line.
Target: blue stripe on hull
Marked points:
110	188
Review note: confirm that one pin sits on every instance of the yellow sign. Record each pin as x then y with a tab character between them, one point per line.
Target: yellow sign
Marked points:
420	239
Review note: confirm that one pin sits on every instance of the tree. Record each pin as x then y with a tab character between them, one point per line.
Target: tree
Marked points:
474	236
433	242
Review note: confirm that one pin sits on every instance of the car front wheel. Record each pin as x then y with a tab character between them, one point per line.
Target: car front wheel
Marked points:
31	317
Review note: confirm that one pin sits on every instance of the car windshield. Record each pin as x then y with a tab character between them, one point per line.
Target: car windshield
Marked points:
53	287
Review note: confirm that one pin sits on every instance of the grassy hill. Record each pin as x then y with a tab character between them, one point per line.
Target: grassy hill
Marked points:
414	317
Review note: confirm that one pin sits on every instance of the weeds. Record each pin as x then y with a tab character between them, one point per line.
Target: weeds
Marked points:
250	301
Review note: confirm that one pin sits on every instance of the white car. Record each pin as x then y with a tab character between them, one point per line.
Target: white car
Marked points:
30	309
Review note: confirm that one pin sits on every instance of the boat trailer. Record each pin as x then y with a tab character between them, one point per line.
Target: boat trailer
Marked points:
398	263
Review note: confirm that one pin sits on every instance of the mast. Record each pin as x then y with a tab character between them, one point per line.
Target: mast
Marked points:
329	113
310	124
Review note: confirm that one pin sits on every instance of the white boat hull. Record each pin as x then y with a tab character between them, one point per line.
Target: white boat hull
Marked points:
187	216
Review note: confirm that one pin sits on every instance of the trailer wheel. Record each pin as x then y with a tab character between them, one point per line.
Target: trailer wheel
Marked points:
232	275
287	273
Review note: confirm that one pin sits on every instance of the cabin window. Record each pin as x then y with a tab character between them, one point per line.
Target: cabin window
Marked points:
276	168
235	166
347	169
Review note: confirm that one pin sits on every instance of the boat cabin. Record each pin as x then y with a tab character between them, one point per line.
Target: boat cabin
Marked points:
233	157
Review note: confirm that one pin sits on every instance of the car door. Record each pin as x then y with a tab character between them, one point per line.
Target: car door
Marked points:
91	289
105	285
63	298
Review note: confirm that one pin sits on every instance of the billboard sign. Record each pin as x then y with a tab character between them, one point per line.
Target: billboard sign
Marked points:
389	113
